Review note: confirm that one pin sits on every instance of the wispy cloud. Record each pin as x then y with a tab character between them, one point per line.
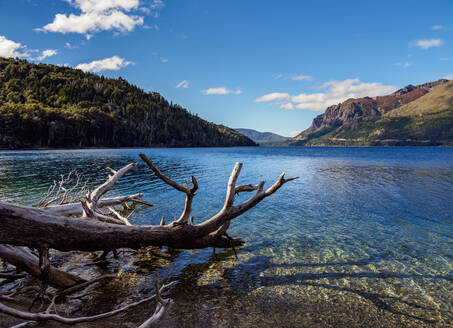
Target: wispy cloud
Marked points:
70	46
272	97
108	64
404	64
221	91
183	84
446	58
428	43
96	16
301	77
163	60
294	77
293	133
335	92
448	77
288	106
11	49
438	27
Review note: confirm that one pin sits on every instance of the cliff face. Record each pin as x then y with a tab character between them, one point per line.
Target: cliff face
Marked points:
51	106
353	112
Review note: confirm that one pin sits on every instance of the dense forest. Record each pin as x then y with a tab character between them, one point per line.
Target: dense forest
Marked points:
60	107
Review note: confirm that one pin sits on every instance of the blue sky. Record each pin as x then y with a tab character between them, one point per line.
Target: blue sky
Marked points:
265	65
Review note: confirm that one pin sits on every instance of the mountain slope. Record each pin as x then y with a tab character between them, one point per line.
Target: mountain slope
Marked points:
414	115
264	138
52	106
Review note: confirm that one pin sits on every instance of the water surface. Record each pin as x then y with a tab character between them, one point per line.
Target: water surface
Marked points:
363	238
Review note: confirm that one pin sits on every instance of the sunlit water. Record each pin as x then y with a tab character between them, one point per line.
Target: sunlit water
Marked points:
363	238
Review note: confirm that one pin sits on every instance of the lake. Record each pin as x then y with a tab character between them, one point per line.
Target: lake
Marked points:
363	238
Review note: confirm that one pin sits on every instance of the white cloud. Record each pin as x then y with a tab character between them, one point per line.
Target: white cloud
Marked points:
293	77
273	96
108	64
11	49
446	58
293	133
448	77
288	106
335	92
70	46
438	27
101	15
428	43
47	53
183	84
301	77
220	91
404	64
163	60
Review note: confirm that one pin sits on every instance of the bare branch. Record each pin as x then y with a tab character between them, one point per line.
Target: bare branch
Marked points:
161	176
118	215
90	202
85	284
261	194
55	317
231	188
26	324
76	208
245	188
190	192
111	181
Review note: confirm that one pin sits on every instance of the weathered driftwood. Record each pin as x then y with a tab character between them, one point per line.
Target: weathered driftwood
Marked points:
162	306
99	226
73	209
37	228
25	260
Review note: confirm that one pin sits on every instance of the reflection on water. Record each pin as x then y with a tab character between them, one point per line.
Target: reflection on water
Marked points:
363	238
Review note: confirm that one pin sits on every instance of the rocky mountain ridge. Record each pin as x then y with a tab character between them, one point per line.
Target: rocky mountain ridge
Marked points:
353	112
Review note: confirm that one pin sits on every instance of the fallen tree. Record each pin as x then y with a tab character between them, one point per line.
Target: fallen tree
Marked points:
94	224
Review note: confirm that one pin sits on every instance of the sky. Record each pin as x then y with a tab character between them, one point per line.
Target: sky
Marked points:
265	65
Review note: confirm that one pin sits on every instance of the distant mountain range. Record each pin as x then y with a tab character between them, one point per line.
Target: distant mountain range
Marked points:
414	115
264	138
47	106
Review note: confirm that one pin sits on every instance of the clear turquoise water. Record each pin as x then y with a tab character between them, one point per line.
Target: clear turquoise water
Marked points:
363	238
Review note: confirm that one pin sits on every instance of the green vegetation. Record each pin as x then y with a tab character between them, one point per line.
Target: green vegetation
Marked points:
52	106
265	138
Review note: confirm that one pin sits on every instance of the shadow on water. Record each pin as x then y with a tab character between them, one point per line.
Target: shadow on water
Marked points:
363	238
251	278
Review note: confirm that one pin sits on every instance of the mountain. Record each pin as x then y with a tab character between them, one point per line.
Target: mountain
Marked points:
264	138
60	107
413	115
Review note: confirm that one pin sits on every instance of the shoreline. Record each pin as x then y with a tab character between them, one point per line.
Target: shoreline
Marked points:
257	146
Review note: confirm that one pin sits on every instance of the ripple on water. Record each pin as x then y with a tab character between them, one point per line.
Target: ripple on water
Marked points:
363	238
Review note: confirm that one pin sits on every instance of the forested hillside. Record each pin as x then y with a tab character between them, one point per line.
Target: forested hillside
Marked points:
264	138
59	107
